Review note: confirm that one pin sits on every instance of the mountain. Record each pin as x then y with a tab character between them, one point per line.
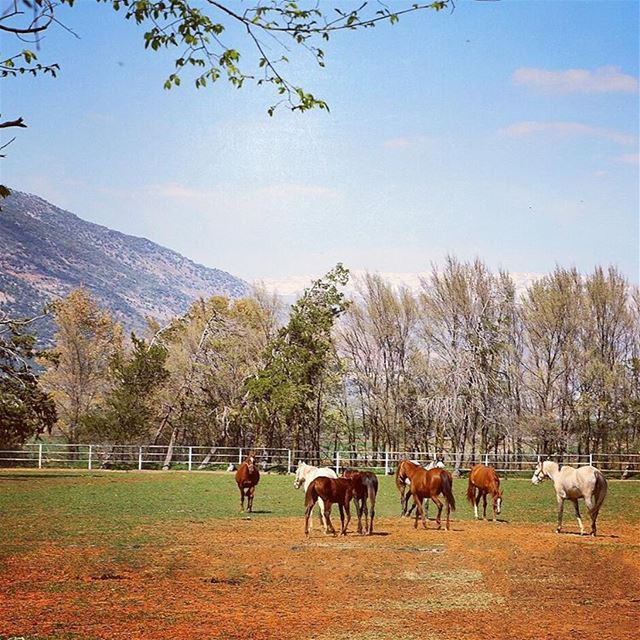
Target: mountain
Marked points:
45	252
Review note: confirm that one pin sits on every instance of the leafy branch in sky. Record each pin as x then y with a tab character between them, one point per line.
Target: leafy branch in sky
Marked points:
196	31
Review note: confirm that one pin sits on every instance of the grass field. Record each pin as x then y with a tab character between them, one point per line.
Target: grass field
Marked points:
127	555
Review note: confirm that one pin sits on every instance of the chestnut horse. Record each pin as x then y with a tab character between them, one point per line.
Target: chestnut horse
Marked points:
365	490
484	480
403	483
247	477
331	490
429	485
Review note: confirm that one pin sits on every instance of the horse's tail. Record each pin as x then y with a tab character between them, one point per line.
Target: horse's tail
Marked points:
311	496
471	492
372	490
600	490
447	489
399	483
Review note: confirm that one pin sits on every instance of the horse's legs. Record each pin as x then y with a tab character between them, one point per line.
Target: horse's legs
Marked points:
478	497
327	517
241	499
438	504
404	499
348	520
250	493
418	510
577	508
484	505
341	509
594	514
560	509
361	507
412	507
373	512
307	517
323	520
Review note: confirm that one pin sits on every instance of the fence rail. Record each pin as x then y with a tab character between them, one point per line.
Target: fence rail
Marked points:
191	458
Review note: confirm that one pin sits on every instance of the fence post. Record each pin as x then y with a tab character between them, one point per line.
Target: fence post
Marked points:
89	462
486	459
591	459
337	462
40	455
288	460
386	462
190	457
139	458
240	455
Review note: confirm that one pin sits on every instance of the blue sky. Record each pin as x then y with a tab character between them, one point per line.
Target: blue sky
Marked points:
504	130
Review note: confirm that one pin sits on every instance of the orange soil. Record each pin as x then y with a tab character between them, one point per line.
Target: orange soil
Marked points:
260	579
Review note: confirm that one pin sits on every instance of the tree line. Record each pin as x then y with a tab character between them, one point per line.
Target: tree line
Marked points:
465	363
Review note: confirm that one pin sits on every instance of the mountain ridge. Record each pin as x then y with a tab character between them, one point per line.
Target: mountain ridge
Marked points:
47	251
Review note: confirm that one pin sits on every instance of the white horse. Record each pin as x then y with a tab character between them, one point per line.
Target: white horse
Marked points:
572	484
404	498
306	474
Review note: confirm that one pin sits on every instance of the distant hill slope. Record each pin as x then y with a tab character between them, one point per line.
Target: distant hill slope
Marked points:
45	252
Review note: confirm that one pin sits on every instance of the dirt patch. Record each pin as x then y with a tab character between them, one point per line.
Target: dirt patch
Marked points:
263	580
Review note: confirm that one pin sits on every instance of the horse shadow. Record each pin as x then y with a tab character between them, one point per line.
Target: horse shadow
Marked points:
587	536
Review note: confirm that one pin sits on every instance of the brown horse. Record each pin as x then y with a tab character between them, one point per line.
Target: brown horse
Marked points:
484	480
247	477
429	485
331	490
403	483
365	490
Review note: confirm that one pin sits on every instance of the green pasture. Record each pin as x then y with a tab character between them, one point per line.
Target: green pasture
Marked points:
121	508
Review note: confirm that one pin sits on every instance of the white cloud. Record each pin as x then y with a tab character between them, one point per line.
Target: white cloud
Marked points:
630	158
601	80
292	286
404	142
531	127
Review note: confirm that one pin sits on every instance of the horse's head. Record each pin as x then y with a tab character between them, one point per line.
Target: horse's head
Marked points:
301	472
251	461
539	474
497	501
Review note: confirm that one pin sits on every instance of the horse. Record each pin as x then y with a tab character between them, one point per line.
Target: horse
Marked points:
572	484
330	490
365	490
306	474
403	483
484	480
429	485
247	477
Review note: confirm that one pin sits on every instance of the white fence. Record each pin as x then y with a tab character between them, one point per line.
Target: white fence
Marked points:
94	456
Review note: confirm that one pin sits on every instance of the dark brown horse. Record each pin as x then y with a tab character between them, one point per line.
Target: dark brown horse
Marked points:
331	490
428	485
484	480
365	490
247	477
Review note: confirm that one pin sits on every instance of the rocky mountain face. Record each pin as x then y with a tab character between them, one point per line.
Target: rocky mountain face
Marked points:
45	252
